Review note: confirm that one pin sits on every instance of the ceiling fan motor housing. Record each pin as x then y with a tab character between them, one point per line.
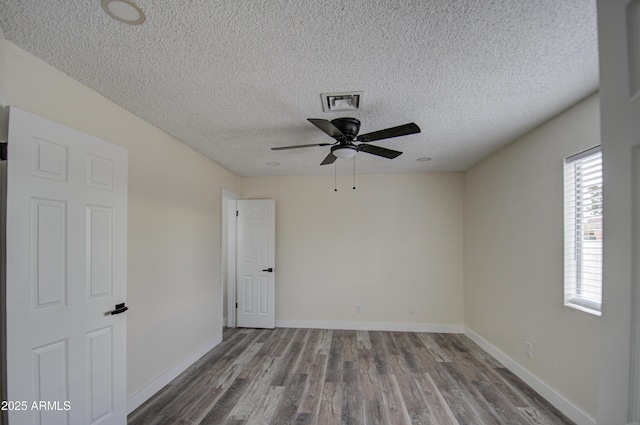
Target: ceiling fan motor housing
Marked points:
347	126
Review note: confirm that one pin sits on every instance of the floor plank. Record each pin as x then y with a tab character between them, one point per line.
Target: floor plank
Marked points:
323	377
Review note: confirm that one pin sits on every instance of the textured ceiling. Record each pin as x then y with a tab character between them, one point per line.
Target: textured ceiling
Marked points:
232	78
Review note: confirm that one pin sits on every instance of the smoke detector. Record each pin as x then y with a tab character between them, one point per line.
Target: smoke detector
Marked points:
346	101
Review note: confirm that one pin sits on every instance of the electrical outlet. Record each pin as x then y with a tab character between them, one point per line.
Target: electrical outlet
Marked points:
412	309
358	308
528	349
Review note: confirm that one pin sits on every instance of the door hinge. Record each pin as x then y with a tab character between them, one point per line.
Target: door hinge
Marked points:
3	151
237	213
236	305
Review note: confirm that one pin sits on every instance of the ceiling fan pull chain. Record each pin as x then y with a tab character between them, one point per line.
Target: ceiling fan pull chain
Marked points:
354	173
335	177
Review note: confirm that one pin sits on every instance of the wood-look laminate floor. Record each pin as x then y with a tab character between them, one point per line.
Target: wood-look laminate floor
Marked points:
312	376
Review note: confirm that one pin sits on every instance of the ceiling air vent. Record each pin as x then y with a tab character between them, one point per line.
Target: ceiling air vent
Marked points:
348	101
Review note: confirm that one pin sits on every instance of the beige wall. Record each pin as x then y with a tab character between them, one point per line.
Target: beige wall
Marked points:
174	217
513	252
394	242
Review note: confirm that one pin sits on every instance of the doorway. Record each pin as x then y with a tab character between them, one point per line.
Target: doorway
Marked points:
253	244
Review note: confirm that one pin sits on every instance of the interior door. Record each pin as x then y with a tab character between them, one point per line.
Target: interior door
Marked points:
66	248
256	263
619	371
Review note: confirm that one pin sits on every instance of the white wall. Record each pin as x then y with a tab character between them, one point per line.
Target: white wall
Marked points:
513	252
174	217
394	242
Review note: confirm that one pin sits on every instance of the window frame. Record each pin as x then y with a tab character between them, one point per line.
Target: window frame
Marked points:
582	196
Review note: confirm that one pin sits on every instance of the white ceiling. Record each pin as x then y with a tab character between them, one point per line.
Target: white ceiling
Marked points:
233	78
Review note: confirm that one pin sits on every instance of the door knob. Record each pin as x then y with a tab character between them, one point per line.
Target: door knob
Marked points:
120	308
270	270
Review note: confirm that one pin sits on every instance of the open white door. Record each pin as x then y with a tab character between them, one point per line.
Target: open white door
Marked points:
619	371
256	263
66	237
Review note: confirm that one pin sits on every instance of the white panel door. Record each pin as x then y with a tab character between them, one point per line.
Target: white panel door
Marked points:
619	48
66	270
256	263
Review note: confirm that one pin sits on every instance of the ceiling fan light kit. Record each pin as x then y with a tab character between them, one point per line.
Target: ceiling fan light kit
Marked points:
344	152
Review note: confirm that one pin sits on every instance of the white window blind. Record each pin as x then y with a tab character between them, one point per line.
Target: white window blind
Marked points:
583	239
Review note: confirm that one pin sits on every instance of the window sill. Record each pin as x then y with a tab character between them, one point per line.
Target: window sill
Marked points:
584	305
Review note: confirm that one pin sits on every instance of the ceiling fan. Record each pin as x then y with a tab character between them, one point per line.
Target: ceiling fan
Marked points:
345	131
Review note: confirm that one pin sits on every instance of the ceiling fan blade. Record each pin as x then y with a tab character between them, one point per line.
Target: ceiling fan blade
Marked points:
377	150
326	126
388	133
281	148
330	159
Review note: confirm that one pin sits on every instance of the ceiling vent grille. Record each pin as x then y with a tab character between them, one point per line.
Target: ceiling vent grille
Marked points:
347	101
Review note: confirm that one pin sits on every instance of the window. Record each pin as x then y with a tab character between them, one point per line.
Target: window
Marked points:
583	231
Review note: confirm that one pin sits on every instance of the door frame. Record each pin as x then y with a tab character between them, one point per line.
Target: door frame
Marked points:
228	256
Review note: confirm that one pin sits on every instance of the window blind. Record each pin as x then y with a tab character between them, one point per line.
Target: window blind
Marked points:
583	240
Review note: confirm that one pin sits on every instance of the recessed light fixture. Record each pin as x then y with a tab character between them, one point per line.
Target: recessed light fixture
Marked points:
424	159
273	163
124	11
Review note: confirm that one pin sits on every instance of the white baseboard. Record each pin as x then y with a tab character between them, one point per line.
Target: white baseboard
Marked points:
371	326
548	393
144	394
